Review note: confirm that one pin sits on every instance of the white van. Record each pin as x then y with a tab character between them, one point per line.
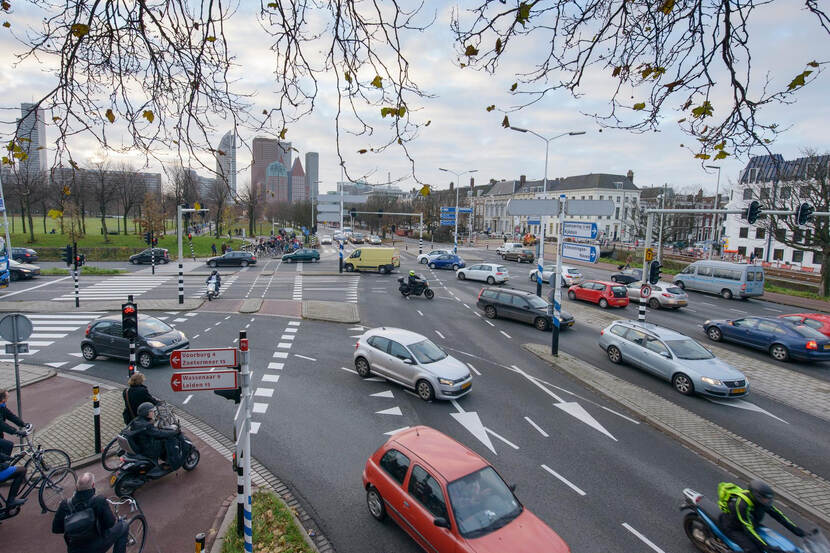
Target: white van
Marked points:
509	246
730	280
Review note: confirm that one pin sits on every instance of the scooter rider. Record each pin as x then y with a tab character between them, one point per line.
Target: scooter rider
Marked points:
414	281
744	513
217	281
153	442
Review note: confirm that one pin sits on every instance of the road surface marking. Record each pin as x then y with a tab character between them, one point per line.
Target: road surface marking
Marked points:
489	323
467	306
206	330
191	314
281	354
348	370
386	394
290	323
180	320
563	479
271	378
247	325
196	336
419	312
477	314
629	419
441	335
304	357
217	323
284	345
642	538
773	309
275	366
187	399
81	367
396	411
228	317
38	286
287	337
741	404
536	426
473	369
260	407
264	392
57	364
292	329
706	303
506	335
395	431
255	427
502	438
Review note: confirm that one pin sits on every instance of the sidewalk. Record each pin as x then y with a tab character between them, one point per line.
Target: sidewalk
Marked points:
29	374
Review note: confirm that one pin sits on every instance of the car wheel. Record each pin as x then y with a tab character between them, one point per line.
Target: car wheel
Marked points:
540	323
455	267
133	261
680	285
714	334
490	312
571	295
603	303
144	360
349	267
726	294
424	390
779	352
533	276
211	264
165	261
423	261
382	270
683	384
614	355
491	281
88	351
375	504
244	263
461	276
361	365
653	303
432	265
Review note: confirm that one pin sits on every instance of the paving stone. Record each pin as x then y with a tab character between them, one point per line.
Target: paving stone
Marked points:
29	374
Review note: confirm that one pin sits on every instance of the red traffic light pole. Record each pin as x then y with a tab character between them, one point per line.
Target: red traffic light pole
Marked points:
129	313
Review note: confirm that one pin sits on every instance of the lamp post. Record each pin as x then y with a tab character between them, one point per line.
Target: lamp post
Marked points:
717	206
457	179
541	247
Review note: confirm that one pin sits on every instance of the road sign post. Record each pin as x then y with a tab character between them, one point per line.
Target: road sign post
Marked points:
16	328
648	256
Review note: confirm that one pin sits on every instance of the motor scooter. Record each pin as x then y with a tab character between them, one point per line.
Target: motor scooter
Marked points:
422	288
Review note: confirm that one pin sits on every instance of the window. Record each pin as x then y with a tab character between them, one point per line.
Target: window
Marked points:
798	256
745	323
115	330
490	294
427	491
766	326
742	251
655	345
812	323
747	193
689	349
805	191
765	193
786	192
793	319
753	174
619	330
617	211
395	464
818	258
636	336
798	236
704	271
750	276
397	350
618	201
152	327
687	270
103	327
743	232
379	342
427	352
778	254
482	503
780	234
726	274
519	302
760	233
601	197
759	252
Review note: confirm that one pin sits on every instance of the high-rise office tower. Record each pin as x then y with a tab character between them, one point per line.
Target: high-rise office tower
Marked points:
266	151
312	173
226	161
32	127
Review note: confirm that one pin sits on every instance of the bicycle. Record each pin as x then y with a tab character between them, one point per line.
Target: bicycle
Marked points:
112	453
136	523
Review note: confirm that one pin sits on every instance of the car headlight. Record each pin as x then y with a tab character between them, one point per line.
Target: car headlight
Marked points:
706	322
155	344
445	382
712	381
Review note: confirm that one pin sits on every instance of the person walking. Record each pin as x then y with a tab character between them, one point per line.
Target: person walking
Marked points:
87	522
213	248
134	395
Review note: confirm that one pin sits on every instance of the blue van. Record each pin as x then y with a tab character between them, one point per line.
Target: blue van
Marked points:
730	280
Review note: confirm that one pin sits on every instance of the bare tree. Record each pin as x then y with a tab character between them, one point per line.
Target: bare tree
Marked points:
249	202
104	189
217	195
129	189
26	184
152	215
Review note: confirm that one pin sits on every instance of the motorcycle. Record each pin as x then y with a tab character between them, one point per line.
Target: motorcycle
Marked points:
211	290
406	290
701	527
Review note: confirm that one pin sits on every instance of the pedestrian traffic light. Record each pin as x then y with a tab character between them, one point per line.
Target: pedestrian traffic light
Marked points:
80	260
234	394
752	212
189	236
804	214
66	255
129	320
147	238
654	272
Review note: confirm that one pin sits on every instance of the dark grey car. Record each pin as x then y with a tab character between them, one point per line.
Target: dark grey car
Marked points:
156	340
520	306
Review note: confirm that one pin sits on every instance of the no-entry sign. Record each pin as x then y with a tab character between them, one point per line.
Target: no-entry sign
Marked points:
203	358
194	381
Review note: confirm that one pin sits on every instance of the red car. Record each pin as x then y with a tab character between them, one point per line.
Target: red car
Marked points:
818	321
601	292
449	499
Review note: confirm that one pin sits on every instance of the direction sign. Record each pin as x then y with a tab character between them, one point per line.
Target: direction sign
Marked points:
193	381
21	348
347	198
534	222
203	358
328	217
445	209
16	326
2	205
446	223
465	209
328	207
649	254
533	207
645	291
589	207
580	230
580	252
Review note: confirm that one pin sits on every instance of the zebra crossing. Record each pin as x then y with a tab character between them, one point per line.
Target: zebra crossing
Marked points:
117	288
48	328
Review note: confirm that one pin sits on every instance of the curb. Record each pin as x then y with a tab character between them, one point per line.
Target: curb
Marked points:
701	449
52	372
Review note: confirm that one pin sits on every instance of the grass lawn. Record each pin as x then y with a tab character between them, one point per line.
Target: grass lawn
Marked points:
273	526
93	225
790	292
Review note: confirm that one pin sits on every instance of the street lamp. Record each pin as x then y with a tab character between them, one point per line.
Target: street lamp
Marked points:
457	179
541	247
717	206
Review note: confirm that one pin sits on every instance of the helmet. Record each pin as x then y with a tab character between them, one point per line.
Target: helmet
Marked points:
761	492
411	273
213	272
144	409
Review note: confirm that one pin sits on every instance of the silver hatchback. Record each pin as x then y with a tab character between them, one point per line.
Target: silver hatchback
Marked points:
690	367
413	361
663	294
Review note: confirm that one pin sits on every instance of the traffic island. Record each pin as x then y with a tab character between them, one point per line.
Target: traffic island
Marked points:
331	311
805	491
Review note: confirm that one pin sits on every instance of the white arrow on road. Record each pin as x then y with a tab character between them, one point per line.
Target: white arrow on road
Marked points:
570	407
391	411
741	404
472	423
387	393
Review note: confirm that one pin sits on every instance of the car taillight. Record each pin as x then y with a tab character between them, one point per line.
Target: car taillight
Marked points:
602	332
499	274
357	344
743	286
88	328
253	258
665	295
812	345
479	294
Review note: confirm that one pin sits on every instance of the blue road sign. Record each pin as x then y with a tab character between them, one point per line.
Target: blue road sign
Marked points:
575	229
580	252
534	222
445	209
445	223
465	209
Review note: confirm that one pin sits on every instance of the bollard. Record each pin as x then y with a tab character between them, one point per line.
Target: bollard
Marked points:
96	416
200	542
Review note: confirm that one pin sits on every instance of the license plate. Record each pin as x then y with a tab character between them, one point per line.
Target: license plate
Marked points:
737	390
112	480
826	346
466	385
571	323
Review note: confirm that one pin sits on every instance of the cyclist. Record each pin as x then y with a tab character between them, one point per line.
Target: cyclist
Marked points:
17	475
6	415
87	523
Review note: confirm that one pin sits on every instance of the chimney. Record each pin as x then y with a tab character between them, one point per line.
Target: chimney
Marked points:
630	176
472	183
452	186
520	184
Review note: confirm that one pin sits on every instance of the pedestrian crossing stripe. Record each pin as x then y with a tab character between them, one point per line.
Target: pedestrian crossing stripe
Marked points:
117	287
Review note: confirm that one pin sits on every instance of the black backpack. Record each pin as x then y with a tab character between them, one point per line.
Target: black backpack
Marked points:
80	525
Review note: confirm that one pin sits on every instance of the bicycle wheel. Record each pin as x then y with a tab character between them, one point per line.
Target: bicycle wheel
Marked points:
111	455
49	459
55	487
136	534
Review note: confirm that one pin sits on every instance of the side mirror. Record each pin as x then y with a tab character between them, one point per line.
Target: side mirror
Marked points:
665	354
512	487
408	361
441	522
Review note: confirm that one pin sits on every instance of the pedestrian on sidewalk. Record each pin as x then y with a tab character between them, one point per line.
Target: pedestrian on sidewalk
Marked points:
134	395
6	415
103	532
224	248
213	248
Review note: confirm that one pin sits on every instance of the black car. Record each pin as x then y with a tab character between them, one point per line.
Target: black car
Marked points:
627	276
156	340
519	305
162	256
22	271
24	255
236	259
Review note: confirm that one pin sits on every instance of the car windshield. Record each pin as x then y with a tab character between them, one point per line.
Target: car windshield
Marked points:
537	302
688	349
152	327
674	290
482	503
427	352
808	332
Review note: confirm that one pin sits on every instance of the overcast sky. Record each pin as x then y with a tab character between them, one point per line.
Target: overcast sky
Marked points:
463	136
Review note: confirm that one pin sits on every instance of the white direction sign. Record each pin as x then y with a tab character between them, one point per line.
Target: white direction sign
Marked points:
328	207
203	358
533	207
328	217
589	207
198	380
346	198
580	252
575	229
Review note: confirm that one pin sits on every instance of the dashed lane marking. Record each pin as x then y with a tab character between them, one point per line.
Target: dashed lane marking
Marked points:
536	426
506	335
473	369
642	538
489	323
304	357
187	399
441	335
276	366
566	482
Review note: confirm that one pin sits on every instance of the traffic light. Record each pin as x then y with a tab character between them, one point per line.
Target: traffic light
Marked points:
147	239
80	260
353	212
189	236
313	229
804	214
393	228
752	212
380	213
155	241
654	272
129	320
234	394
66	255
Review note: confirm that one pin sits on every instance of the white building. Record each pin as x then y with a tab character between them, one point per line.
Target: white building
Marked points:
226	161
789	183
32	127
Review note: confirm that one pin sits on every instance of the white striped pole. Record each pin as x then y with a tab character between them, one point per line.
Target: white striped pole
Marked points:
179	240
190	241
131	368
641	317
421	236
96	416
152	253
246	438
77	289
